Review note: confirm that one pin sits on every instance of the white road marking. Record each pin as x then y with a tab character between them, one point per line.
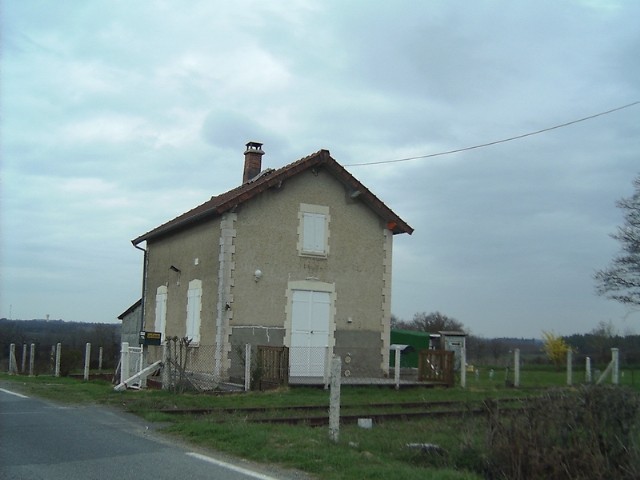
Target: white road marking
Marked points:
13	393
244	471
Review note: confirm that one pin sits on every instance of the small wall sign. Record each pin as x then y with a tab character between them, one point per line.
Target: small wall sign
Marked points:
150	338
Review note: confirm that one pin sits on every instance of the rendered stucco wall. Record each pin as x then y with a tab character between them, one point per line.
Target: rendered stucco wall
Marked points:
195	253
358	262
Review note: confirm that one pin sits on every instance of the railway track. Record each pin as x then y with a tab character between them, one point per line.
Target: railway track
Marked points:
378	412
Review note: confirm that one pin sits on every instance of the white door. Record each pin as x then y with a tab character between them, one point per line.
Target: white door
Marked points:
310	313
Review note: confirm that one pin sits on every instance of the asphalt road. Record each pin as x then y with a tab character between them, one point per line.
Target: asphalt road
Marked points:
42	440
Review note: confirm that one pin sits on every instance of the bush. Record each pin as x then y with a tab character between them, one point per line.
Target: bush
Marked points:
591	433
70	360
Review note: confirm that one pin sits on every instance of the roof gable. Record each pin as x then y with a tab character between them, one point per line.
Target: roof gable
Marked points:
271	178
129	310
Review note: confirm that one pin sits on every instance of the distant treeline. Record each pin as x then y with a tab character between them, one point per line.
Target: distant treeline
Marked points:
72	335
496	350
598	347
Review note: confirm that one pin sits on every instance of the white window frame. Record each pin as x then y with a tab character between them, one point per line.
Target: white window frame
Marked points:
160	324
313	230
194	309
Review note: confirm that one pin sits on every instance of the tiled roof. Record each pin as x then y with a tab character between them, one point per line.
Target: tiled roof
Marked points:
269	178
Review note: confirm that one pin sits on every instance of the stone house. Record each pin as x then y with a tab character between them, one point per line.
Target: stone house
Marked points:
298	256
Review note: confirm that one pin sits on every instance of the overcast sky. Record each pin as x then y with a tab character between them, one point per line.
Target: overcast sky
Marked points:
118	116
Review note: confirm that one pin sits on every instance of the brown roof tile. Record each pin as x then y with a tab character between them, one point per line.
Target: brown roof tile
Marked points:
269	178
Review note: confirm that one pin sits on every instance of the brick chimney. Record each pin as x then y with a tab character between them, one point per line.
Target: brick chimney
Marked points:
252	161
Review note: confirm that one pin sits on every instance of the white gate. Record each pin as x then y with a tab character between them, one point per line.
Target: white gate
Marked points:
131	362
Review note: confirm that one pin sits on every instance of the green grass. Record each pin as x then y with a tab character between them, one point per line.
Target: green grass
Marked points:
377	453
380	452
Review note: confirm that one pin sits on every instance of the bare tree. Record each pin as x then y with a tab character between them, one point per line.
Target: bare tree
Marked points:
435	322
621	280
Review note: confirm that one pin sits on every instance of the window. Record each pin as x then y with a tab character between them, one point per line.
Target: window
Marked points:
194	306
161	310
313	230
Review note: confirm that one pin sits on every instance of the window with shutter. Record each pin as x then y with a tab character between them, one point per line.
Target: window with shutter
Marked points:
194	306
314	230
161	310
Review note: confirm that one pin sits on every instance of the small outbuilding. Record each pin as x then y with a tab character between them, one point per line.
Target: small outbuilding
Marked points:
131	324
417	341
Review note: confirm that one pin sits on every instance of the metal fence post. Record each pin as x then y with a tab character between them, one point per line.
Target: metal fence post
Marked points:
166	368
516	367
334	399
58	356
327	367
32	356
100	352
247	367
569	367
615	373
87	360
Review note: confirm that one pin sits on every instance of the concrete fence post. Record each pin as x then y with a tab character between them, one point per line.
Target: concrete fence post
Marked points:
13	368
87	360
100	353
569	367
615	359
334	399
124	362
32	358
397	368
247	367
516	367
463	367
58	356
587	373
24	358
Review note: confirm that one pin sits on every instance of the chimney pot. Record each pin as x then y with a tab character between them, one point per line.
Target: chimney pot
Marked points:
252	161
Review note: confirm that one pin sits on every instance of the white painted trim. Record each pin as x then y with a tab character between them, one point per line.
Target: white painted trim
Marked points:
225	280
385	320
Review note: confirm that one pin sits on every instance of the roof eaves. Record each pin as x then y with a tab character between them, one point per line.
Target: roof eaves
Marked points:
180	221
395	223
130	309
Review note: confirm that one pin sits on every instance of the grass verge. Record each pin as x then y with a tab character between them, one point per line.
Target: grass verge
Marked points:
380	452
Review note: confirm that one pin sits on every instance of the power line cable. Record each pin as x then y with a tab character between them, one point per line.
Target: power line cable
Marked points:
488	144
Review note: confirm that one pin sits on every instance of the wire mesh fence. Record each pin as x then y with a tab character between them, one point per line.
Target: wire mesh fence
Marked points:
57	359
257	367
